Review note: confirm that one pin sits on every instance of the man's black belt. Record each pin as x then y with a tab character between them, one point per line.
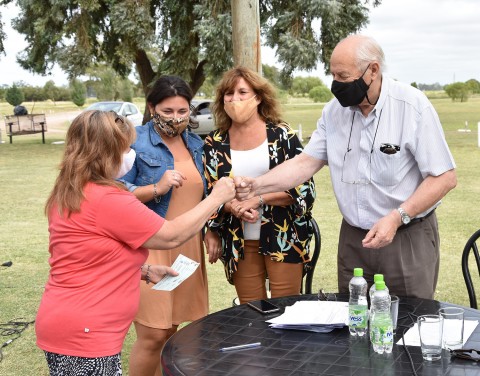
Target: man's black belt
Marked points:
403	227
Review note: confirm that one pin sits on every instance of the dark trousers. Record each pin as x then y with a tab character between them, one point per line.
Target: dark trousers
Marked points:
409	264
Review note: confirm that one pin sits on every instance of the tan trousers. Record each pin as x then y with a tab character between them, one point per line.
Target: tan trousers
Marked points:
409	264
285	279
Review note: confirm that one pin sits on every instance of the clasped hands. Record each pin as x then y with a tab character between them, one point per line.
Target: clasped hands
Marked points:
245	205
240	207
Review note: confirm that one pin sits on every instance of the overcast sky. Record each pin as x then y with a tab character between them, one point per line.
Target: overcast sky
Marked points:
425	41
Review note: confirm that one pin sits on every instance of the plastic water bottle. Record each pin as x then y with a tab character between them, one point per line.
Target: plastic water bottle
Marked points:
357	305
381	327
376	278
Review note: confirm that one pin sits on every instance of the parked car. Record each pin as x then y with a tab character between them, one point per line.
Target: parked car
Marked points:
127	109
203	115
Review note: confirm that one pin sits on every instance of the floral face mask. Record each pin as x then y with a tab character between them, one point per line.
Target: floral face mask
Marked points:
170	126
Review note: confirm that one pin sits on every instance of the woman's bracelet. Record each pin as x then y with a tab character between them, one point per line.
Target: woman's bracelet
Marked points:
156	197
147	274
261	201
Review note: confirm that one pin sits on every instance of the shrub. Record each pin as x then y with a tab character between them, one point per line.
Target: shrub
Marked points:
458	90
14	96
320	94
79	92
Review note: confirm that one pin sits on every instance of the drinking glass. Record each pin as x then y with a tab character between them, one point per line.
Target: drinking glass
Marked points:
394	311
430	330
452	327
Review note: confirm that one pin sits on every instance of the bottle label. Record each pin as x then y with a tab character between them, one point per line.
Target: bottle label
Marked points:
358	316
381	329
382	335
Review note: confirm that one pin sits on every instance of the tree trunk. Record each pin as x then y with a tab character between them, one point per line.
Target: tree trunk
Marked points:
198	77
246	34
147	75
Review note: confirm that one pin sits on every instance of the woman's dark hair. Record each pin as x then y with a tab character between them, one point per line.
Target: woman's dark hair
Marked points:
169	86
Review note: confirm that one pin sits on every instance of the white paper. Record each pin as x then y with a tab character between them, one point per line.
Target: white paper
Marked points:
184	267
412	337
315	316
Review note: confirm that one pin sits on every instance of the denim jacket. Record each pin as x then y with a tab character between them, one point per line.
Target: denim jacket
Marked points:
154	158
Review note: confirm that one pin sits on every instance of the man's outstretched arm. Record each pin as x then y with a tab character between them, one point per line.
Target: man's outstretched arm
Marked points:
287	175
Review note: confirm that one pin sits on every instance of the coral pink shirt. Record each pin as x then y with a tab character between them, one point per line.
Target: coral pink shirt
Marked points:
92	293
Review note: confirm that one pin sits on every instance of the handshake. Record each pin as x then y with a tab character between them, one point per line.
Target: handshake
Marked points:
240	188
238	195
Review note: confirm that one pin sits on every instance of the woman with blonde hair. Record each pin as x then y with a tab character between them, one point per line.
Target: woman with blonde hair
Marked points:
267	234
99	236
167	177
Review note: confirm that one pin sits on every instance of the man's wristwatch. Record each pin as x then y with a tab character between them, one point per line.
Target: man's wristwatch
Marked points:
404	216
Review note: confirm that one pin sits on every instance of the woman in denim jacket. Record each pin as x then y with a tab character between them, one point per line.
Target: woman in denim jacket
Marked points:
168	177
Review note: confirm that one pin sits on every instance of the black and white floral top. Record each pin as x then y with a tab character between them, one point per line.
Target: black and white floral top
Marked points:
286	231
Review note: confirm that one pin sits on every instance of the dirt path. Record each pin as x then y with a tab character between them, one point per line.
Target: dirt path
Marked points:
59	122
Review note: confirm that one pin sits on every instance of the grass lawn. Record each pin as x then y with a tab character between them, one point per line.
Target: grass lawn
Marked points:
28	170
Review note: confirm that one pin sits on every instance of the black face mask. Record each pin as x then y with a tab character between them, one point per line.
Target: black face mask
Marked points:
350	93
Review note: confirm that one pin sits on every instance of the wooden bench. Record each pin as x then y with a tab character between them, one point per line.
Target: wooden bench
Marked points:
17	125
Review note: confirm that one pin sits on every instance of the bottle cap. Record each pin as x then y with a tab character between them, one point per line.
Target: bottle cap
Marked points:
380	285
358	272
378	277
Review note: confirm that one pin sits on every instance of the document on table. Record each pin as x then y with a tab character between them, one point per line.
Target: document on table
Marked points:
184	267
412	337
314	316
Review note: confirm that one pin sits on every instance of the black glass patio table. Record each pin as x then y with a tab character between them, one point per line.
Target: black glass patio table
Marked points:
195	349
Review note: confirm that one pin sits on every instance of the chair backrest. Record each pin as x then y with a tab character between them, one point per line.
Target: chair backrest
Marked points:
317	238
471	247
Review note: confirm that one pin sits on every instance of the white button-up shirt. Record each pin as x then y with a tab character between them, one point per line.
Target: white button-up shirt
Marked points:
402	116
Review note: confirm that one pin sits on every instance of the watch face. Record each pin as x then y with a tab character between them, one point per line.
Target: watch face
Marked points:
405	217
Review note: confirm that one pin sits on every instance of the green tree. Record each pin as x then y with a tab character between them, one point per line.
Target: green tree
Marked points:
189	38
473	85
64	93
126	90
14	96
272	74
320	94
458	90
78	92
207	90
289	26
303	85
432	87
2	37
414	84
106	84
33	93
51	91
3	90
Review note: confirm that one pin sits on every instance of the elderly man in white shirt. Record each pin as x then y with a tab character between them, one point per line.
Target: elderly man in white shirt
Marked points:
390	166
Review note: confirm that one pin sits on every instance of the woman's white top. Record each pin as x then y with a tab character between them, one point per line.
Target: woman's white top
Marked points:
253	163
